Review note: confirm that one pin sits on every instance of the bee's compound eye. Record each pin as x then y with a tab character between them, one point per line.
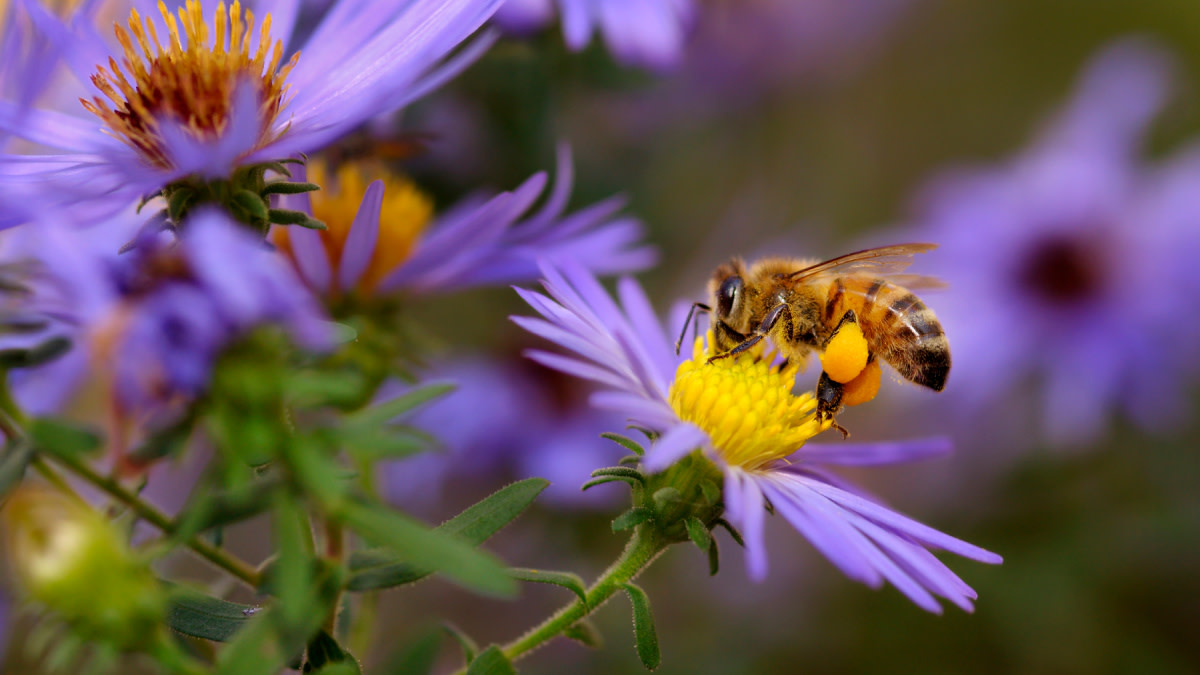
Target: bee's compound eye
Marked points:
728	295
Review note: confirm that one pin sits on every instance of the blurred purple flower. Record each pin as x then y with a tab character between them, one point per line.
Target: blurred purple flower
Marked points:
625	350
1074	264
478	242
155	318
503	418
358	62
644	33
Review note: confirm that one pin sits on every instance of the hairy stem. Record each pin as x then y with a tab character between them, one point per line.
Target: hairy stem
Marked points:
642	549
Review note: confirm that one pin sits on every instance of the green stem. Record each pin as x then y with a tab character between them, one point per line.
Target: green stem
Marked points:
642	549
335	552
152	515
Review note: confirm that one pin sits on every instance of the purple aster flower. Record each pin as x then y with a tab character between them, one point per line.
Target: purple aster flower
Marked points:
742	413
505	418
644	33
154	319
1050	258
262	98
382	237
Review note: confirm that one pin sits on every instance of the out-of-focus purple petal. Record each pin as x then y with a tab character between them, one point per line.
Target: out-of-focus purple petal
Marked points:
874	454
674	444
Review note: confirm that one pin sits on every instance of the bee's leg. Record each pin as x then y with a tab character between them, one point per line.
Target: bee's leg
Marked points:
695	328
829	401
780	311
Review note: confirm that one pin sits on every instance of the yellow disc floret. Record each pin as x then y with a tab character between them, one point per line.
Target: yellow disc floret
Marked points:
846	354
190	80
404	215
746	406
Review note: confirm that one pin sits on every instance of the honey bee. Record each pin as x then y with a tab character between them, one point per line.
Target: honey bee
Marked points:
804	307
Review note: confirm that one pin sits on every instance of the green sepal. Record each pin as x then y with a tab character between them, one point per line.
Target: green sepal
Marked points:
737	536
372	569
178	203
585	633
284	187
633	484
643	627
289	217
38	355
664	497
252	204
323	652
629	460
17	456
200	615
714	558
620	472
428	549
468	646
625	442
417	657
491	661
698	533
711	491
57	437
567	580
632	518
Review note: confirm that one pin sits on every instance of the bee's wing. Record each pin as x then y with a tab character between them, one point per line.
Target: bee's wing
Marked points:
917	282
886	260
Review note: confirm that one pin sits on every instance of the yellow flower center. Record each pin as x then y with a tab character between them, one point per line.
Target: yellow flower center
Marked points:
193	84
745	405
404	215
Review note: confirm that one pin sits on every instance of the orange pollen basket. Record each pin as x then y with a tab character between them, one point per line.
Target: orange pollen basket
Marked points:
190	85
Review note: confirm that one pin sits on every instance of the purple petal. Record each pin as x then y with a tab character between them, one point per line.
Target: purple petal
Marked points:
674	444
874	454
360	242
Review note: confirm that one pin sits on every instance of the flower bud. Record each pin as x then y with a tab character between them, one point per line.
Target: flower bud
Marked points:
71	559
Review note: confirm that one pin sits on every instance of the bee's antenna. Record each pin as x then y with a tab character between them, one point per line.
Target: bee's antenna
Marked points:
695	328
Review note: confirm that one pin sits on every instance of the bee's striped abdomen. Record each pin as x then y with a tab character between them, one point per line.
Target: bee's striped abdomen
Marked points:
898	327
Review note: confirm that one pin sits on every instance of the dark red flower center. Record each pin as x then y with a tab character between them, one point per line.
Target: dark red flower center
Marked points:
1063	270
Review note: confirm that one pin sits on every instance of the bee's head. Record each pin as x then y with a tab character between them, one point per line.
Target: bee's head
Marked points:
727	291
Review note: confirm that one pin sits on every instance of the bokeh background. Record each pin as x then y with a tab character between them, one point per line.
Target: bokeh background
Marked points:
811	128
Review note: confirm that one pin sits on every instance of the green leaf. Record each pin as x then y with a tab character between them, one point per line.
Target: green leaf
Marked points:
429	549
208	507
698	533
12	467
372	445
383	413
586	633
376	569
311	388
631	518
643	627
57	437
491	661
256	649
200	615
625	442
714	559
567	580
417	657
